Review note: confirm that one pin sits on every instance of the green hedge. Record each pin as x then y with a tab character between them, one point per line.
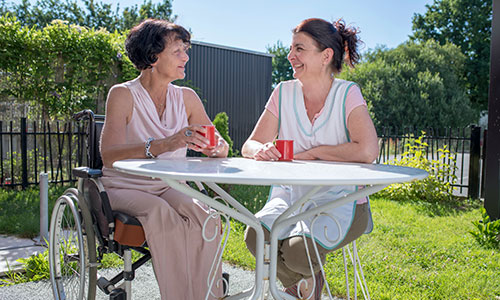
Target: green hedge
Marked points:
61	68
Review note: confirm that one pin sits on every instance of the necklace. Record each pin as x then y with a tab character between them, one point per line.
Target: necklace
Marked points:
159	107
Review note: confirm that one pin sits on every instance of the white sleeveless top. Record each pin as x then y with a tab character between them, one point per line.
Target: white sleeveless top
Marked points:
328	129
146	123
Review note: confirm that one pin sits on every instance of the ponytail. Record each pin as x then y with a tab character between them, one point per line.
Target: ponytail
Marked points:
350	41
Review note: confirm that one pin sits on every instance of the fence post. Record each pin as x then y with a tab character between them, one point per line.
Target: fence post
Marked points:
474	156
24	153
44	210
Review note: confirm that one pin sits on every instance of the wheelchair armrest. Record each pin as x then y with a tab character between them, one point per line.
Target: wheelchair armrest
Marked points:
125	218
86	172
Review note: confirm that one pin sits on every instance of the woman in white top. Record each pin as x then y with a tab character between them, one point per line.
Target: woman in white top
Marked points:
328	120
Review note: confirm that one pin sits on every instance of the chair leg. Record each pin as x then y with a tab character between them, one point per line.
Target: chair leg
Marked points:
358	273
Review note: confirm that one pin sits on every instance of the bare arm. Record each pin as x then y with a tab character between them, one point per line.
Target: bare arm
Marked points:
362	148
118	112
197	116
260	143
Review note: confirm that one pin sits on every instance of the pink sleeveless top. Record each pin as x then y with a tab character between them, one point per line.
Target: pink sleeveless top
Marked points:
146	123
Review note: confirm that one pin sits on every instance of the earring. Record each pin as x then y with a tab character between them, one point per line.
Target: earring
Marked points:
152	69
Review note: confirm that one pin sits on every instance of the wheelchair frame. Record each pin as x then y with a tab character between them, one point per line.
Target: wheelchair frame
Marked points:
74	254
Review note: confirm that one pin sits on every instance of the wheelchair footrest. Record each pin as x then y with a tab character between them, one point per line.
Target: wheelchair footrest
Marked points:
118	294
104	285
225	283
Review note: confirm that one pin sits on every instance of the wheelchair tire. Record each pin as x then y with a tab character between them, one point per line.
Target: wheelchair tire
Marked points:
72	274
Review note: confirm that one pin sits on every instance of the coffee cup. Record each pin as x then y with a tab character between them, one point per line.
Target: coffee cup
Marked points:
285	147
210	134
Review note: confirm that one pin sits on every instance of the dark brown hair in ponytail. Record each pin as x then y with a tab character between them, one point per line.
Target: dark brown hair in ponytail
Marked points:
341	39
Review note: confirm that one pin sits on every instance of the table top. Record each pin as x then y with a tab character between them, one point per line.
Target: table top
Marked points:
249	171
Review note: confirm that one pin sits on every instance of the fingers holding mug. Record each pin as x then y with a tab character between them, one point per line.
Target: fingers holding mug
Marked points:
194	137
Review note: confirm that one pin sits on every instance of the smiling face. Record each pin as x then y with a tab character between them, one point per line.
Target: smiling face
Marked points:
307	60
172	60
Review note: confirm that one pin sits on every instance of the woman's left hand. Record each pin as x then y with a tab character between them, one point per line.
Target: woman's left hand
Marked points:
220	150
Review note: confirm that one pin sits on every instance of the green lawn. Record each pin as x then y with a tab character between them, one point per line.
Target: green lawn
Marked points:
416	250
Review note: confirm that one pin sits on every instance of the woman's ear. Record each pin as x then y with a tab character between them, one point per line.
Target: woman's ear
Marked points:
327	56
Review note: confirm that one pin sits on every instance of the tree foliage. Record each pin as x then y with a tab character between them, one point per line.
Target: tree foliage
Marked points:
415	84
282	69
93	14
467	24
61	68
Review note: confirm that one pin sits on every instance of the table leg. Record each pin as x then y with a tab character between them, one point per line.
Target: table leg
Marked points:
238	212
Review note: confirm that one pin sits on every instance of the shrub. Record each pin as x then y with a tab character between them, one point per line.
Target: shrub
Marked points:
487	232
436	187
221	122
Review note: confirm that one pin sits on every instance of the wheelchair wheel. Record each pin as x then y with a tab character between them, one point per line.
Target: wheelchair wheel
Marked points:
71	250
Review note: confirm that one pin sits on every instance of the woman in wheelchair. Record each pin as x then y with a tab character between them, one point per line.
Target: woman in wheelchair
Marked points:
149	117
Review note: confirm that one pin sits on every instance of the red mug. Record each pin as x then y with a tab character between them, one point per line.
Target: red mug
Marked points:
285	147
210	134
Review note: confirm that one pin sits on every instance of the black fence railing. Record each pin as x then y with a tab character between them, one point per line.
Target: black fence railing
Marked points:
28	148
464	145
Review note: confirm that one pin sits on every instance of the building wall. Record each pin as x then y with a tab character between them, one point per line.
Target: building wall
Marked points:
232	80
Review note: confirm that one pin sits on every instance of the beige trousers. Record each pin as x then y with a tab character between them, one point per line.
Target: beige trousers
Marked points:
293	265
173	224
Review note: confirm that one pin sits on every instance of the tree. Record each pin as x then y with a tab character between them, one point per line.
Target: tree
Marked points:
92	15
467	24
415	84
282	69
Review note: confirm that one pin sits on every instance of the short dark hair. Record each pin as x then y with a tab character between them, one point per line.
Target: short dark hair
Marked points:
341	39
148	39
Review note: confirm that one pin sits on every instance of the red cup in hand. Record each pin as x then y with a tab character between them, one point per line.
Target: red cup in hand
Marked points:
210	134
285	147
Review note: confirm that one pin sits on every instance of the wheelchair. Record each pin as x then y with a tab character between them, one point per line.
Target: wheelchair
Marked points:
83	228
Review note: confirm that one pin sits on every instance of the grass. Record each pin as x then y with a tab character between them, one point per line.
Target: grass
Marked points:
416	250
20	210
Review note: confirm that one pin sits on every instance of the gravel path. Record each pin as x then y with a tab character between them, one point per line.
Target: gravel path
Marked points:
144	285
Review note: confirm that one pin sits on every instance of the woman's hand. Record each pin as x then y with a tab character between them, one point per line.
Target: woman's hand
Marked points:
193	138
220	150
267	152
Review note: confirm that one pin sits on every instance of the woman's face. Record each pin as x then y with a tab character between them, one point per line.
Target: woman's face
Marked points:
172	60
306	58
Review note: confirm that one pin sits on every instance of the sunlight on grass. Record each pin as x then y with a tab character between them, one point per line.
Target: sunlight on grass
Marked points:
411	254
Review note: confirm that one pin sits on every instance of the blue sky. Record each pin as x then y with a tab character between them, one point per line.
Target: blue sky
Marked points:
255	24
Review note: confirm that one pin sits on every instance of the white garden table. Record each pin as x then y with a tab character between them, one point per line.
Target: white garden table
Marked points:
214	171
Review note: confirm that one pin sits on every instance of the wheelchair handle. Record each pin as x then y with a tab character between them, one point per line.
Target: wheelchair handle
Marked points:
84	114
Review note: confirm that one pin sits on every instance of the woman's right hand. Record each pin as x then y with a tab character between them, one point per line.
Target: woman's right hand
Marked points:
267	152
192	138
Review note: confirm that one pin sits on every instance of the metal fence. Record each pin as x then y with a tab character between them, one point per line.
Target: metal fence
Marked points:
30	147
464	145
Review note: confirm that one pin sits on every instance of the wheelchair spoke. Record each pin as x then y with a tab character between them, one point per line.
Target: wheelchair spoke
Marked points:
68	266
